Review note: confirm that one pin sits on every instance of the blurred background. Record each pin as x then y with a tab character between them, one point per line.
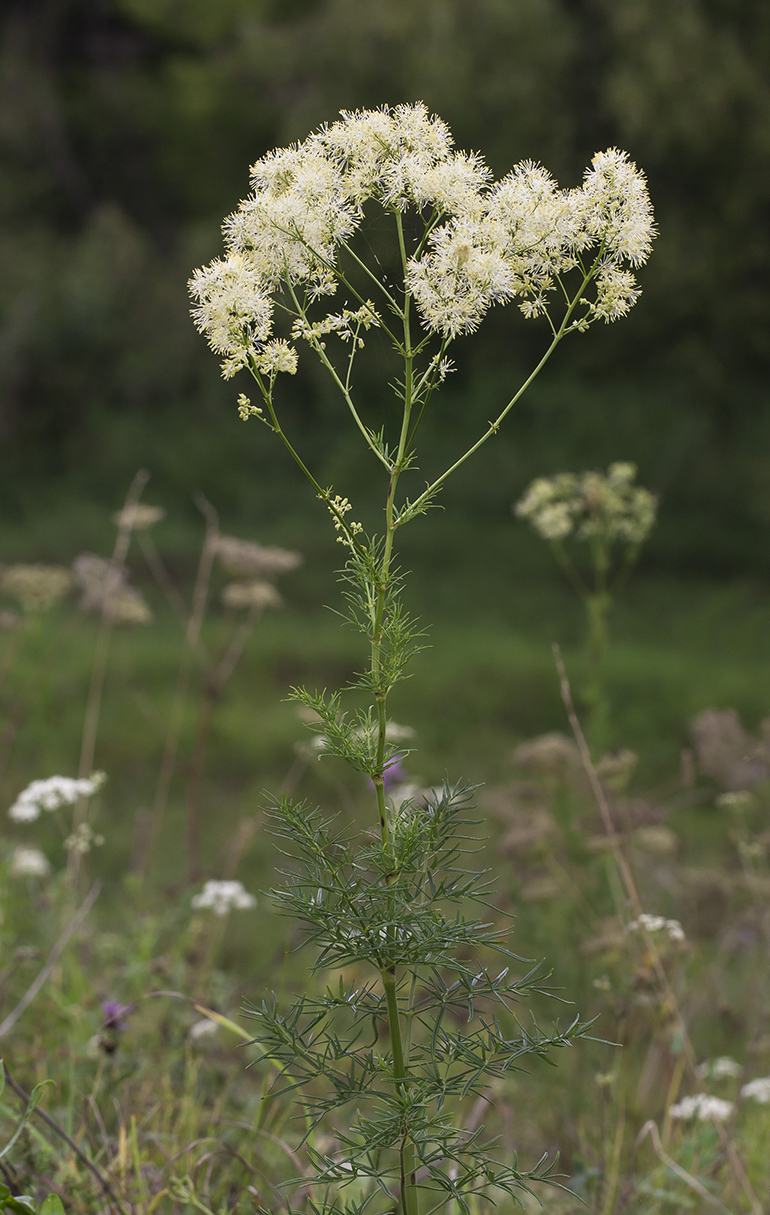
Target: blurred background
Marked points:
126	132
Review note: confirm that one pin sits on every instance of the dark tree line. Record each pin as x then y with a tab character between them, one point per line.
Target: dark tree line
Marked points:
126	129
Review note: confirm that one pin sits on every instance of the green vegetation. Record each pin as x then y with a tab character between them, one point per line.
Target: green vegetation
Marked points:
676	651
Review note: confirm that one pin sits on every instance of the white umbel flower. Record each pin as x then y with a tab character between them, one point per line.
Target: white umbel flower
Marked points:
590	505
658	923
723	1068
51	794
223	896
757	1090
29	862
703	1107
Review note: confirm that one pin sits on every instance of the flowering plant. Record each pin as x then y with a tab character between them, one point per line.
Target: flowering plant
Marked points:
613	517
397	899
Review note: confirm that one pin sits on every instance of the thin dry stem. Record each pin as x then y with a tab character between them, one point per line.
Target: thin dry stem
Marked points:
99	669
51	960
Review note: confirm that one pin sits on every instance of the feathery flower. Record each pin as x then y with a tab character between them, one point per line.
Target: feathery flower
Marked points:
498	241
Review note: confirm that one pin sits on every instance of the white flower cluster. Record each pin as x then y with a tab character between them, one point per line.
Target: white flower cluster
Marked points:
757	1090
497	242
51	794
83	839
222	896
29	862
703	1107
658	923
588	505
36	587
722	1068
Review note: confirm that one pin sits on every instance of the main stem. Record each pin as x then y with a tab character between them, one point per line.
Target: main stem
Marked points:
409	1193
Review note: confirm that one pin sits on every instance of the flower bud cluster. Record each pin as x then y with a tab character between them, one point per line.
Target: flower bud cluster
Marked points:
488	243
590	505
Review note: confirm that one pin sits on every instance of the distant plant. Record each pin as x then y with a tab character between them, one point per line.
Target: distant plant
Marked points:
612	518
397	898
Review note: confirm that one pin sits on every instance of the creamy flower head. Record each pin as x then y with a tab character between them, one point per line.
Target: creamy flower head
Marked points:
106	589
488	243
253	595
247	559
222	896
139	517
37	586
29	862
605	506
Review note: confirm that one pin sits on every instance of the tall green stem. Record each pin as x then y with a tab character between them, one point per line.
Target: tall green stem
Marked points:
409	1194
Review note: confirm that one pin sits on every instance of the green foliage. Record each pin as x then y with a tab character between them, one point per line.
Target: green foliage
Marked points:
401	909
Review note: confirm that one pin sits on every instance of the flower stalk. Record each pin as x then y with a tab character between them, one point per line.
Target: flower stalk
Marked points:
396	899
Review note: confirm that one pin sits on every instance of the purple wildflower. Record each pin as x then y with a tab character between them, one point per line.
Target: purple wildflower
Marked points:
113	1011
394	772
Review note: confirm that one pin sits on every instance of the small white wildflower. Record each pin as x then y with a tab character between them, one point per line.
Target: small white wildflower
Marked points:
615	206
395	732
719	1069
234	310
222	896
738	801
276	356
257	595
205	1028
247	559
51	794
127	606
139	517
36	587
658	923
106	589
590	505
82	840
757	1090
703	1107
29	862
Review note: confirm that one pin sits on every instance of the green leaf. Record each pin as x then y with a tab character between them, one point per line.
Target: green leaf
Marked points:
22	1205
52	1206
